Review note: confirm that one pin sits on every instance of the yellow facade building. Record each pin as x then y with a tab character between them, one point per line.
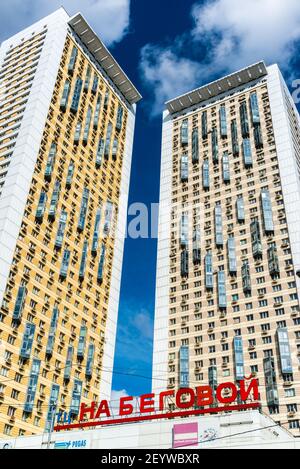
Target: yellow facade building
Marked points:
67	115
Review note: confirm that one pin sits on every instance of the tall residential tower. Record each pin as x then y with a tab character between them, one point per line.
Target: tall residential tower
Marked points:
67	113
227	295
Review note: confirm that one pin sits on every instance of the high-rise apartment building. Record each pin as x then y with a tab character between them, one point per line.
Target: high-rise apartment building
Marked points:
227	295
67	113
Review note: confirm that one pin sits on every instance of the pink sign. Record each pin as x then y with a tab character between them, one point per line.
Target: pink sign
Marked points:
185	435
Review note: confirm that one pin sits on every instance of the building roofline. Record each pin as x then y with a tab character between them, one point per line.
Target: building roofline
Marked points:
105	59
217	87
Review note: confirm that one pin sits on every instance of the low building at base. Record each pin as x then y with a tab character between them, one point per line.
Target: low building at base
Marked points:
238	430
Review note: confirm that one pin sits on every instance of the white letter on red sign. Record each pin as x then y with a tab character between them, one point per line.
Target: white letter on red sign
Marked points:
125	409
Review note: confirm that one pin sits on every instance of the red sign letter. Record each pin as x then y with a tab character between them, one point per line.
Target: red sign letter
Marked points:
226	400
147	403
103	409
187	404
253	386
125	409
204	396
84	409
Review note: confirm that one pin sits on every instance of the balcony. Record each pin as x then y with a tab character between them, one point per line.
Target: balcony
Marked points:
291	415
288	384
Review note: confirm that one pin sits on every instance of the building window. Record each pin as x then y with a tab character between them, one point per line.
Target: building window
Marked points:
83	209
256	239
214	143
225	167
41	207
254	109
244	120
204	125
222	299
27	341
72	61
234	138
54	200
246	277
65	264
184	366
247	152
76	96
267	211
184	168
31	390
97	112
184	132
218	226
65	96
208	271
223	121
52	331
205	174
240	207
20	303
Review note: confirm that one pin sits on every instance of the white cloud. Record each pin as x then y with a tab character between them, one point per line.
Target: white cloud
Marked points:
143	323
227	35
168	74
248	32
109	18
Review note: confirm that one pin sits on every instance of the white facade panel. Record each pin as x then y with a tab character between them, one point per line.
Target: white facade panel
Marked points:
290	180
160	347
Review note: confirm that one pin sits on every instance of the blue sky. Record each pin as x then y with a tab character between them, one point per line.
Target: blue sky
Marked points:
167	47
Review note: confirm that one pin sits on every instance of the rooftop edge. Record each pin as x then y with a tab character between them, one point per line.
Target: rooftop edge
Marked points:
102	55
218	87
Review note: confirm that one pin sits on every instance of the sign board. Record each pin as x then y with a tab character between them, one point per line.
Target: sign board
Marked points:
72	444
188	402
